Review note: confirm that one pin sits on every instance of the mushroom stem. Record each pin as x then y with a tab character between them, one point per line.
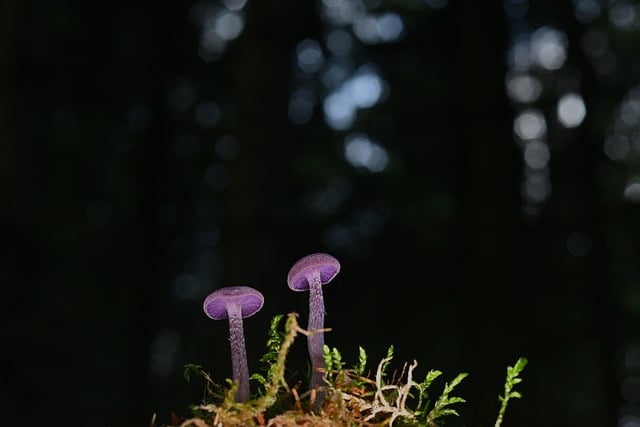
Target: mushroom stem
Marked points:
239	366
315	341
310	273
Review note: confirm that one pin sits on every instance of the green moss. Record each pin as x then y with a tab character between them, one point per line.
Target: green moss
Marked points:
350	396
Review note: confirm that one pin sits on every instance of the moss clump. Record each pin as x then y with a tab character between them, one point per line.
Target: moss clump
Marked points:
350	397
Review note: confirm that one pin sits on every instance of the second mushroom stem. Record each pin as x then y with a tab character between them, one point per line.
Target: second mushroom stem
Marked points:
315	342
239	365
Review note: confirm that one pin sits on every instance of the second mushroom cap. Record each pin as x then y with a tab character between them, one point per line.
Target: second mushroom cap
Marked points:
326	265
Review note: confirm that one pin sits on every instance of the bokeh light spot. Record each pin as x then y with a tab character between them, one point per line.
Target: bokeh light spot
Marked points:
530	124
616	147
549	48
630	112
629	421
571	110
363	153
219	27
163	351
523	88
632	192
536	155
516	9
337	72
339	42
212	45
339	111
228	25
436	4
186	287
301	106
586	11
390	27
364	88
342	12
309	56
366	29
519	56
623	15
536	187
234	5
385	28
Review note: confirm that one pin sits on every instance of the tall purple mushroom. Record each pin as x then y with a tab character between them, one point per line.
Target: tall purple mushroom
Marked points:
310	273
235	303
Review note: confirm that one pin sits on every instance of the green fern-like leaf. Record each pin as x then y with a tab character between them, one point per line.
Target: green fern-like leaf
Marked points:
274	342
423	391
385	364
441	407
362	362
513	378
191	368
338	364
333	363
327	356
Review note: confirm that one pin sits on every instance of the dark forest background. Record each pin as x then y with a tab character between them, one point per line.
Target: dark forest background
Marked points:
473	165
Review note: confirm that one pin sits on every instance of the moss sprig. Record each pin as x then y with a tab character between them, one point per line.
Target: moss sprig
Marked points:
513	378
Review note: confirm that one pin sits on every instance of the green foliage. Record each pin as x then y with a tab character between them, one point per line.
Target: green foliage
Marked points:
333	364
513	378
385	362
351	397
211	389
337	375
362	362
423	392
274	343
191	368
441	408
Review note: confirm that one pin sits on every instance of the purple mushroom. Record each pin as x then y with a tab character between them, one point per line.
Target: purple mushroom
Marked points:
235	303
310	274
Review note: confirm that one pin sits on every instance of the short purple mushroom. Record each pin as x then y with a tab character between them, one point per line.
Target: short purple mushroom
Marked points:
235	303
310	273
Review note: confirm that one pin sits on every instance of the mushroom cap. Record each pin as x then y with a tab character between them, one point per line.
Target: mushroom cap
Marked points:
325	264
249	300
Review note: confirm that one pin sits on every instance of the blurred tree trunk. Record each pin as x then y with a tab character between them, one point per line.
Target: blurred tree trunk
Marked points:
19	251
489	196
8	148
150	70
260	68
582	164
